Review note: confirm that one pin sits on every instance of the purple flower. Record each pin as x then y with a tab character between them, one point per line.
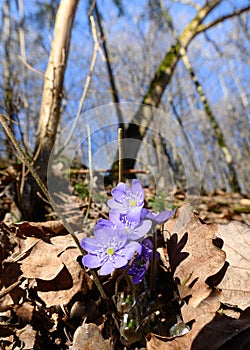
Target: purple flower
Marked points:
109	249
128	200
136	229
141	263
159	218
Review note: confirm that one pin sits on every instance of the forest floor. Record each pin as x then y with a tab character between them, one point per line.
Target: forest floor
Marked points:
48	300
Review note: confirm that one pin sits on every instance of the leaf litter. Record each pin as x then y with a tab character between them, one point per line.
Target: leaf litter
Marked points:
47	299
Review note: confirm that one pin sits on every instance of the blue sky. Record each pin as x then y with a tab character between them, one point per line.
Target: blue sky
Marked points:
122	32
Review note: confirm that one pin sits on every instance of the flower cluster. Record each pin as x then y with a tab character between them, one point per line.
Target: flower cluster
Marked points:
121	242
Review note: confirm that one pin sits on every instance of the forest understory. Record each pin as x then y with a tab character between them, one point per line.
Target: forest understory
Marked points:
200	298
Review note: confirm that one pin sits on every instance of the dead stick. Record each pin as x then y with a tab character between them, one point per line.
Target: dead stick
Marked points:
120	152
129	171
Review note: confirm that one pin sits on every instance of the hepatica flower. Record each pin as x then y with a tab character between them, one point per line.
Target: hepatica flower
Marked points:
128	200
158	218
135	227
117	240
109	249
141	263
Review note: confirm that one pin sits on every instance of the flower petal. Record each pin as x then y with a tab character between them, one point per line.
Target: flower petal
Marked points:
120	192
121	186
103	223
137	278
129	250
161	217
136	188
91	261
89	244
114	216
116	206
107	268
144	212
134	214
119	261
140	231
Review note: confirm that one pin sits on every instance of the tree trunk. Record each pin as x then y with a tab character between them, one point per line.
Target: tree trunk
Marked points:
8	79
51	104
234	184
138	127
53	83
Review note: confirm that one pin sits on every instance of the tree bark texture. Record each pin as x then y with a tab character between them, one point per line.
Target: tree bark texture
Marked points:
53	80
7	73
50	106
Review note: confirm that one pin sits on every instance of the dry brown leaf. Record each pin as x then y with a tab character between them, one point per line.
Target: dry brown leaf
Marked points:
224	333
27	336
204	259
88	337
25	313
42	262
198	317
63	242
236	284
37	229
220	333
47	228
71	280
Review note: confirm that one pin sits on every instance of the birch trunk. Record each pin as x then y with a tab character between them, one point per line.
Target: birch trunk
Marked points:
50	114
53	82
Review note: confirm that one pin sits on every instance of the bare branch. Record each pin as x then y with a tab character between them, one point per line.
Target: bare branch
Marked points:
188	2
204	27
30	67
87	83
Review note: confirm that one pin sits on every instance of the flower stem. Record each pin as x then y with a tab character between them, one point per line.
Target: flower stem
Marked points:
120	155
154	263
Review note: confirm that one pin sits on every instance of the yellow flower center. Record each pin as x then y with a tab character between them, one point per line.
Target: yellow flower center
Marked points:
110	251
132	203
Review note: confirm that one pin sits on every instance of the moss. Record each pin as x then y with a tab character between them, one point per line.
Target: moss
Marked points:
169	61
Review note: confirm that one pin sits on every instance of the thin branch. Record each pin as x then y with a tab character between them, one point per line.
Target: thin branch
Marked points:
204	27
43	188
189	3
120	154
113	171
91	179
5	291
87	83
31	68
114	90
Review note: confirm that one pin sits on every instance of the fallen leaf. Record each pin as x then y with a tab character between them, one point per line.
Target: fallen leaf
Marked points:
45	229
174	249
236	284
27	336
204	258
88	337
42	262
71	280
197	317
206	263
25	313
224	331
